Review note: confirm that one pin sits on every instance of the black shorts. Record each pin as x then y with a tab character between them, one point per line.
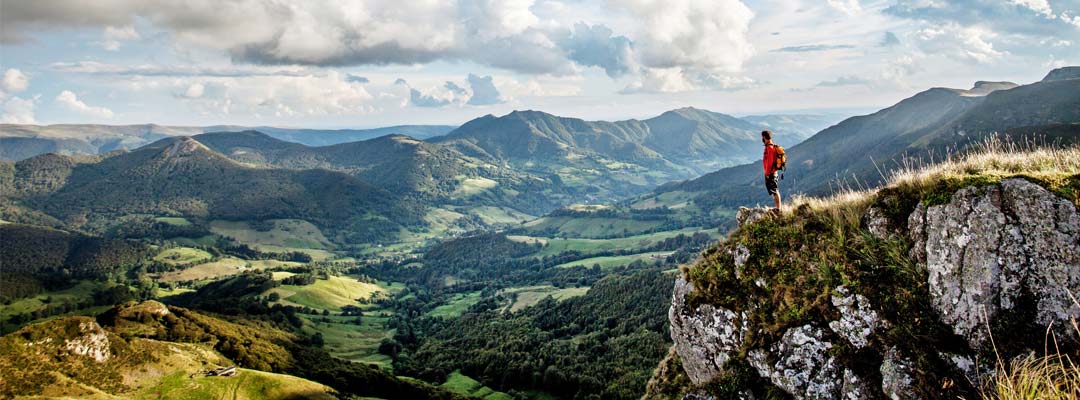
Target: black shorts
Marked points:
770	183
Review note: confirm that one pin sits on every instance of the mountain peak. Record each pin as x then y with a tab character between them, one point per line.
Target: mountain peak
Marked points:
1062	73
183	146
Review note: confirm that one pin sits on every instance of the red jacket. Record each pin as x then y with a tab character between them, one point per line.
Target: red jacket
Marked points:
768	161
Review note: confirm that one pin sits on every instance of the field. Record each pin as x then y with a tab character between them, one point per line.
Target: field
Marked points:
616	261
81	291
283	235
182	256
457	305
498	215
473	186
177	221
326	294
530	295
457	382
345	338
215	269
557	245
582	227
247	385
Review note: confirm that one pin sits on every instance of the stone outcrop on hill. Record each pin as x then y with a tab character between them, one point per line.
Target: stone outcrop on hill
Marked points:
992	255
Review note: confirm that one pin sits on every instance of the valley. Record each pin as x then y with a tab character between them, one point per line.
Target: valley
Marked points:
526	256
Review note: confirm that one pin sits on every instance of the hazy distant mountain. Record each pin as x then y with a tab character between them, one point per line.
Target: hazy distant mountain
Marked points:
610	160
933	123
399	164
800	125
182	177
683	139
18	142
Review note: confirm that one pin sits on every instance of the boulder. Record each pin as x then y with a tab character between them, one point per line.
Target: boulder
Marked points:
988	246
749	215
857	319
896	379
800	364
92	342
705	337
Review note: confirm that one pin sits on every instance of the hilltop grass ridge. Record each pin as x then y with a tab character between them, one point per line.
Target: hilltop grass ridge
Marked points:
792	264
1055	168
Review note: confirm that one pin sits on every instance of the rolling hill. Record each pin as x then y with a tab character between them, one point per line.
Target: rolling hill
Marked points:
181	177
860	151
19	142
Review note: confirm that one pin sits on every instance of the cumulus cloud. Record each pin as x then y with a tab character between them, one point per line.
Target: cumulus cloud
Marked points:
455	89
17	110
71	102
419	99
970	44
114	36
596	46
194	91
483	91
14	81
526	36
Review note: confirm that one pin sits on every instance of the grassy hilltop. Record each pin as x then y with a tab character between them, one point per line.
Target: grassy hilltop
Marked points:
796	260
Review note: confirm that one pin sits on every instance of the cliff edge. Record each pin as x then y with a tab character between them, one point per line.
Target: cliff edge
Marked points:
918	290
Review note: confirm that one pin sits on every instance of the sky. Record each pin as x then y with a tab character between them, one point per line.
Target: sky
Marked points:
360	64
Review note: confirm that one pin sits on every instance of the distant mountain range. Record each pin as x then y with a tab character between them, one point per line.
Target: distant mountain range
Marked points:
928	126
18	142
492	170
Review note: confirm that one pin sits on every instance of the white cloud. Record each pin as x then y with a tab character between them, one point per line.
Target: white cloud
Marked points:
710	35
113	36
18	111
1038	6
14	81
194	91
970	44
71	102
849	7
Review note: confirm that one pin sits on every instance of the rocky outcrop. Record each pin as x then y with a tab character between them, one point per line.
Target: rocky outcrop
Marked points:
92	342
857	319
993	251
989	246
705	337
802	366
896	380
749	215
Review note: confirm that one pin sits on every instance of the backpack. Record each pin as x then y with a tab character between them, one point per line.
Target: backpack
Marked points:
781	159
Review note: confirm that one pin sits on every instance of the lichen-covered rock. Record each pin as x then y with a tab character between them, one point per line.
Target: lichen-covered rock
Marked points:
705	337
987	246
91	342
854	387
749	215
740	254
802	365
878	223
857	319
896	379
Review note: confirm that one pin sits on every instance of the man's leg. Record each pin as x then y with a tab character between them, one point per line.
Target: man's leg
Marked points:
776	198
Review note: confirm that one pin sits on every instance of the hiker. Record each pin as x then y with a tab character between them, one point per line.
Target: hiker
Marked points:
773	161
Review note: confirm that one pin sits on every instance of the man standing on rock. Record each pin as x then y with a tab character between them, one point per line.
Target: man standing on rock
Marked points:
773	162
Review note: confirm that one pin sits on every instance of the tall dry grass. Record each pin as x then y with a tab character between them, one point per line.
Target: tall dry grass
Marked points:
992	159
